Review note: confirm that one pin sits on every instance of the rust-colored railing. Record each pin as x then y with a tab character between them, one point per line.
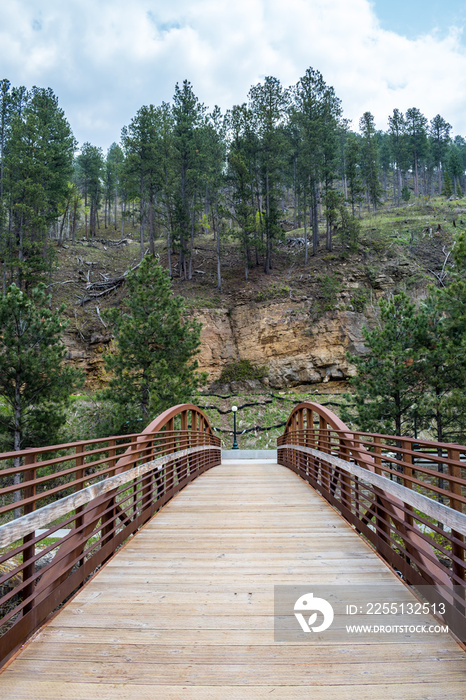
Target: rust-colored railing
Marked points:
66	509
406	496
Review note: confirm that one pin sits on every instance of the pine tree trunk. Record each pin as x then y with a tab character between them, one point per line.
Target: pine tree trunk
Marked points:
315	223
62	225
115	209
17	440
85	210
305	231
191	244
216	226
151	222
267	226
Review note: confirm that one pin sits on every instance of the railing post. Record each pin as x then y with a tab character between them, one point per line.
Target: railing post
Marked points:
301	427
109	519
134	487
455	488
322	446
345	479
79	474
408	471
29	551
311	442
356	455
308	438
170	448
382	518
185	441
300	440
202	454
377	455
309	427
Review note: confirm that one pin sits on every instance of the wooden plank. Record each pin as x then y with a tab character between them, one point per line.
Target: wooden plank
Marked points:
185	609
32	690
235	654
295	674
178	638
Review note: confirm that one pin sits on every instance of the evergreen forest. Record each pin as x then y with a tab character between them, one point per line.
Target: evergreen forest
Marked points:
278	190
285	159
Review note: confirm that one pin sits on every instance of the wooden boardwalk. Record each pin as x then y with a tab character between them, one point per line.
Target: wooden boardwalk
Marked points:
185	609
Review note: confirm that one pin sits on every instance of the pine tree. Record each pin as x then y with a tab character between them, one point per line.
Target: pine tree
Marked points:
450	305
267	103
399	149
212	155
241	178
113	166
416	131
456	169
188	115
452	299
154	366
447	189
316	113
369	159
143	164
440	136
353	170
90	168
388	382
443	370
37	166
34	385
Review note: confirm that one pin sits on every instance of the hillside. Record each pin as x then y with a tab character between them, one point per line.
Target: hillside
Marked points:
297	322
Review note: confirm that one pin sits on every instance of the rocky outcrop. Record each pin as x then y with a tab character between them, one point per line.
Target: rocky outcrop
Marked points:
282	337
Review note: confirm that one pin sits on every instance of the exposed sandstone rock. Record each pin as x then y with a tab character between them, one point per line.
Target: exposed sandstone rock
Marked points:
282	337
279	335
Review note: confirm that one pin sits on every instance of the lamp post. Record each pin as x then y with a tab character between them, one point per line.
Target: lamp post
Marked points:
235	444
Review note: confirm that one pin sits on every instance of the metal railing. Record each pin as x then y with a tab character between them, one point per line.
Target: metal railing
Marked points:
65	510
406	497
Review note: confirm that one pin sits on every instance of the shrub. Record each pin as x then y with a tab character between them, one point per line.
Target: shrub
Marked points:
275	290
241	370
359	300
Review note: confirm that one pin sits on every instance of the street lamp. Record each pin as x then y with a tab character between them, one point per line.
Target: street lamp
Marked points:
235	444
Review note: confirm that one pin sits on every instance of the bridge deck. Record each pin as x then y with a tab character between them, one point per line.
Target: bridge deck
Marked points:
185	609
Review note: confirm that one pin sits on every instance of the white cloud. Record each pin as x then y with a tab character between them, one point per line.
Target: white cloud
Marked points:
106	58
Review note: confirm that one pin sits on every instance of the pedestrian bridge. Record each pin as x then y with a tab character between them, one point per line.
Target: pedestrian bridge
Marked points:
166	565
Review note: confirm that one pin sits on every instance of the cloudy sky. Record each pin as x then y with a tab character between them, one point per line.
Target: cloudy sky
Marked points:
104	59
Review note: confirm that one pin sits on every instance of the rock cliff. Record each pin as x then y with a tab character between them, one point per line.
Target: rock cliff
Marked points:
282	337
